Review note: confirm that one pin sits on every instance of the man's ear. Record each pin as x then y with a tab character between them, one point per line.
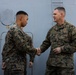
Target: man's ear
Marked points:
21	18
63	14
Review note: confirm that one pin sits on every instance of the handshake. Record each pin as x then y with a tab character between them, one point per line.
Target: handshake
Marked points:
38	51
56	50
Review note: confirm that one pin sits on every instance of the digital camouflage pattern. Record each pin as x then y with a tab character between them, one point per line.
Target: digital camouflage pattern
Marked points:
17	45
63	36
59	71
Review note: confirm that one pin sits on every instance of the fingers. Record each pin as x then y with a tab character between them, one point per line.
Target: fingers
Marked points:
57	50
30	64
38	51
3	65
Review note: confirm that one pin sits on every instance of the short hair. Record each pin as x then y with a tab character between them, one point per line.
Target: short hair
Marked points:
60	8
21	12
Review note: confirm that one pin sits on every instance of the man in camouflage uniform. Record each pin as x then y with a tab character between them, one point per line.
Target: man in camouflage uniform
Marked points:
62	39
17	44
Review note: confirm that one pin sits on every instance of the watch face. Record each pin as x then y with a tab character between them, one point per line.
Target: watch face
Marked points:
7	17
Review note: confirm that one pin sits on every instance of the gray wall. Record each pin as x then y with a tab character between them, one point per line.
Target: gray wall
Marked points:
40	21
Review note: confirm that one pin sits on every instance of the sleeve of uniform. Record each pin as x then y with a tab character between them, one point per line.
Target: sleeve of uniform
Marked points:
5	47
32	55
71	46
46	43
4	53
21	43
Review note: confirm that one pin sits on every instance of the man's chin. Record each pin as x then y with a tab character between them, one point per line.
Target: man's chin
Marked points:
23	25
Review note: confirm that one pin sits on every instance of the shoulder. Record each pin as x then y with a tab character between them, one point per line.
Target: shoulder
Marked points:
27	35
70	26
52	28
13	29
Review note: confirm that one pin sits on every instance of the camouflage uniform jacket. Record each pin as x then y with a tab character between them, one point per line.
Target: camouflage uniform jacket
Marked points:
61	36
17	44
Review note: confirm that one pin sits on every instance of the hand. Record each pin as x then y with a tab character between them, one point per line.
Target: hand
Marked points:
57	50
3	65
30	64
38	51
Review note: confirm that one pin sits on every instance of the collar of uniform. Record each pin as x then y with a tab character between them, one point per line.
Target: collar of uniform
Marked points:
18	26
58	27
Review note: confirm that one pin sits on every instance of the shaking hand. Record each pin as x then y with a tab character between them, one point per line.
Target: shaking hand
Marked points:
38	51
